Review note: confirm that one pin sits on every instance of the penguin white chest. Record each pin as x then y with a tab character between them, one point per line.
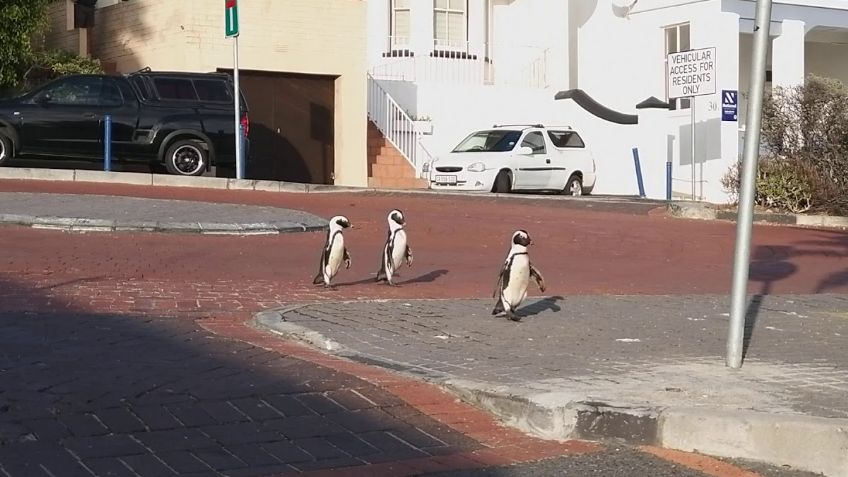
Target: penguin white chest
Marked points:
334	261
519	278
399	249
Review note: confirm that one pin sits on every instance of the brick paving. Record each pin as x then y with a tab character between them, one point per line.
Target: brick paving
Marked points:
636	350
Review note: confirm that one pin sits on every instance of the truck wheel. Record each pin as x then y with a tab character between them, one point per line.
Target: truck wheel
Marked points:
5	150
503	183
186	158
574	186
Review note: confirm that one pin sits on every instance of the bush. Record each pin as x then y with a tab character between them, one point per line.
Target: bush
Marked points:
781	184
805	138
48	65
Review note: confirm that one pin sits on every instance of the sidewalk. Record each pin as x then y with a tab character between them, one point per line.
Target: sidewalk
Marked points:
111	213
647	369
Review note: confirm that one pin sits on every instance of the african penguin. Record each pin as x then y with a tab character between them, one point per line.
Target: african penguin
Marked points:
396	249
334	252
515	276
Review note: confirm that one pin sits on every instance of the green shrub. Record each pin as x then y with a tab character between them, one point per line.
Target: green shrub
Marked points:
805	138
48	65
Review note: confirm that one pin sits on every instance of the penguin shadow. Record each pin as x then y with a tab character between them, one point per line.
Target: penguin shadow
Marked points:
428	277
546	304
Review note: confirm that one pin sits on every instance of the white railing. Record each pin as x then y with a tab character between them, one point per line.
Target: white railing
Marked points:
463	63
394	123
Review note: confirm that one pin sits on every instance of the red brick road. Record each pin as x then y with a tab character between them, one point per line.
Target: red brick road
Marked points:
458	244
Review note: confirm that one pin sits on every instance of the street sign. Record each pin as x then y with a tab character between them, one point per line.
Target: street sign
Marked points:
729	105
231	26
691	73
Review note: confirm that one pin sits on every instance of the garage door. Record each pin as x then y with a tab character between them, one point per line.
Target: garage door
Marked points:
291	126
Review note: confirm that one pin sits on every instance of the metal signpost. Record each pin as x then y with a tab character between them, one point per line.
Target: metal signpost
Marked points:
742	253
231	30
692	73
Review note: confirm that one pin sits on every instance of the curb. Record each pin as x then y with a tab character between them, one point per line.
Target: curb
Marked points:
223	183
704	211
77	224
806	443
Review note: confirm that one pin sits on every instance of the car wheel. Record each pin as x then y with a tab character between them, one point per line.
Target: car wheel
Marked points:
5	150
186	158
503	183
574	186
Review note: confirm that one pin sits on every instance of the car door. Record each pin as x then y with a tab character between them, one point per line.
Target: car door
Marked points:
65	120
568	155
532	171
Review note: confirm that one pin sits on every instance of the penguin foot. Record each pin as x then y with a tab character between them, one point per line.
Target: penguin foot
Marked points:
513	317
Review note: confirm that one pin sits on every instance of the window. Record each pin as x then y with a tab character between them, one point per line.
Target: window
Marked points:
110	95
400	24
82	91
566	139
141	86
212	90
449	24
498	140
677	40
175	88
536	141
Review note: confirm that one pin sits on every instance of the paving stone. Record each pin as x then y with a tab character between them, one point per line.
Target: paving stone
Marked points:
183	462
223	412
219	459
256	409
147	466
177	439
120	421
156	417
286	452
109	467
103	446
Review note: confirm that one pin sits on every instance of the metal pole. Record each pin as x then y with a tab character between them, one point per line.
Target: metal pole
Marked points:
639	181
668	180
742	254
237	96
107	143
692	108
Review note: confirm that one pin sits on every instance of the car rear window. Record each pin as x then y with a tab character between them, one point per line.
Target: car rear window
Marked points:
566	139
212	90
175	88
142	87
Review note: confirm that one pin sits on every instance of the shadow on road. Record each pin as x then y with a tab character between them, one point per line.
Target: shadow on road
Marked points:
162	396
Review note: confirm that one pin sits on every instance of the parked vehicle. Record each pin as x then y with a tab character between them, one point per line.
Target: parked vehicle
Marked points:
517	157
184	121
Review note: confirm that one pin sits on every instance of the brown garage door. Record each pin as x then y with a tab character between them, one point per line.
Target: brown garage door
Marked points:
291	126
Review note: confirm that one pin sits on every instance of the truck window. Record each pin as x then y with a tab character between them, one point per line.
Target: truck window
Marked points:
141	85
175	88
212	90
566	139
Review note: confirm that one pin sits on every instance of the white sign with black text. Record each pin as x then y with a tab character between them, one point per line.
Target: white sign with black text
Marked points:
691	73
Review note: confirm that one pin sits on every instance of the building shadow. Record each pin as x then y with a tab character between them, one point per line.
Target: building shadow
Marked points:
141	393
275	158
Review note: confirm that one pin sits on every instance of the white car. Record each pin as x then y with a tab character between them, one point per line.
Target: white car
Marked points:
517	157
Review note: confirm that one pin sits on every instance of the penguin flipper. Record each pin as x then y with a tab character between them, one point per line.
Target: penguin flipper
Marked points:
537	275
499	284
408	256
347	258
319	279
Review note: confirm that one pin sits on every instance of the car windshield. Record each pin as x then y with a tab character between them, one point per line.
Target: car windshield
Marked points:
496	140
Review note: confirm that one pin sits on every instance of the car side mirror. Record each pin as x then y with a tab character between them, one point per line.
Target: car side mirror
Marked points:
525	150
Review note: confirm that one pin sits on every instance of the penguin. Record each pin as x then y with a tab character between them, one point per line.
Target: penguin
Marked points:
334	252
514	277
396	249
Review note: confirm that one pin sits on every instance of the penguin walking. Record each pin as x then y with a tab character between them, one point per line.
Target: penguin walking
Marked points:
396	249
514	277
334	252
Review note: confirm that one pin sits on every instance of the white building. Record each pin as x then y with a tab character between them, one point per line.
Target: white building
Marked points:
467	64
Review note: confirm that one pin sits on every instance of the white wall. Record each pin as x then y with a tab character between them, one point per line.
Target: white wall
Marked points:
829	60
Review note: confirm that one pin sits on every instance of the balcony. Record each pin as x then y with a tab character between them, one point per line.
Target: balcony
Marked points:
462	63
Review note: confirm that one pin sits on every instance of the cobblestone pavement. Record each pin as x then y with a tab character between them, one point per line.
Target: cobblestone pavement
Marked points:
632	350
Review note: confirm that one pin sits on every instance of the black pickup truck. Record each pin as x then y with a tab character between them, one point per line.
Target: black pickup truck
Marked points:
184	121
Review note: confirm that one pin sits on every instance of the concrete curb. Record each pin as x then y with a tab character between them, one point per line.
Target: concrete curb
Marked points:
704	211
222	183
803	442
77	224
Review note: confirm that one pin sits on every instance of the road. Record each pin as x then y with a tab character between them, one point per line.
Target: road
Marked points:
95	324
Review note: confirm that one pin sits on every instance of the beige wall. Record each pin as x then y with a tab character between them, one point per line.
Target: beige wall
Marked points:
59	18
326	37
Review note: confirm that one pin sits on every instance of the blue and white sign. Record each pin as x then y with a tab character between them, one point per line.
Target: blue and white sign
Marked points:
729	105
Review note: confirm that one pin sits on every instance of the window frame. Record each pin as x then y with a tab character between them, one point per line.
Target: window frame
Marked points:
445	44
394	44
679	103
566	131
541	135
